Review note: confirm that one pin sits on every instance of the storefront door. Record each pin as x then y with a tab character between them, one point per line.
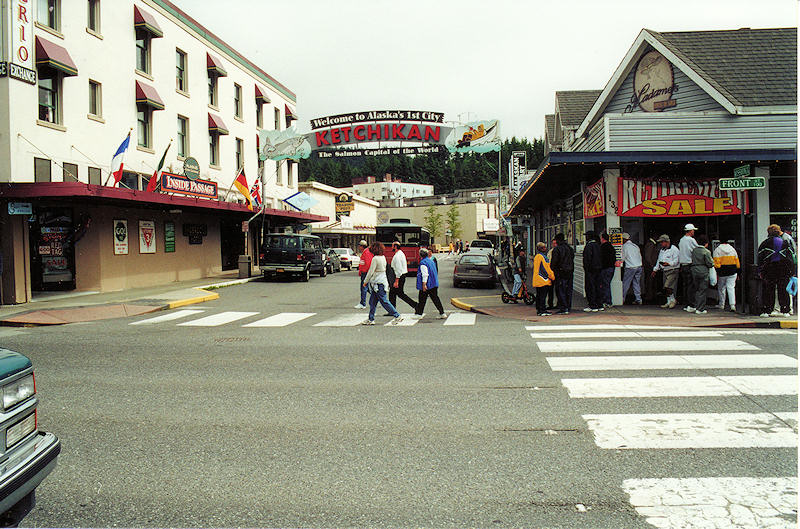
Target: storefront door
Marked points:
52	237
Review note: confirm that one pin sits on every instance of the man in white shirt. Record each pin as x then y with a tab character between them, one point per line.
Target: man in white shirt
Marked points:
397	277
668	263
685	247
632	258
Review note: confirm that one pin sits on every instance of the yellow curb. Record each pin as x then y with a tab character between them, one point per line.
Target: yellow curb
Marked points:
209	296
788	324
457	303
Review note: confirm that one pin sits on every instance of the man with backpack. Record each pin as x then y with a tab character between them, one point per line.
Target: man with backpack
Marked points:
777	263
562	263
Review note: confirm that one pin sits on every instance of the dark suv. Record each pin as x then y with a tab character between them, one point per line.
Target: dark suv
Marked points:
289	253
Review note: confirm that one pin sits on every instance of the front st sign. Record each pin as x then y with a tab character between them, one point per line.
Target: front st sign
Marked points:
755	182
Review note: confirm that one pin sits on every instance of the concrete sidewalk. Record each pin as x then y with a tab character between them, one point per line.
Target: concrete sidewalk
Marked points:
625	315
62	308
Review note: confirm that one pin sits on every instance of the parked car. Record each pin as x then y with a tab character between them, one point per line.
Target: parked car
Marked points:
475	267
334	263
347	257
28	454
482	246
292	254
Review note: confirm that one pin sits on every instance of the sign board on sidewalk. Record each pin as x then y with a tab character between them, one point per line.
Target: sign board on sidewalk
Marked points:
615	238
756	182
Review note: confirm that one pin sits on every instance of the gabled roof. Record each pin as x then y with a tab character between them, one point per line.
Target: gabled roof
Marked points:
750	67
746	71
550	126
573	105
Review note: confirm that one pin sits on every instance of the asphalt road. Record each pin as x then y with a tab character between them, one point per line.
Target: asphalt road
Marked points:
305	425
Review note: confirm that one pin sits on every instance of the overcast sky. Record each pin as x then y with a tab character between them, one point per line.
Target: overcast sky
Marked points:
470	59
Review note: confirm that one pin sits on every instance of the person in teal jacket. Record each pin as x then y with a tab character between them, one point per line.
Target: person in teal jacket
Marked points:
428	284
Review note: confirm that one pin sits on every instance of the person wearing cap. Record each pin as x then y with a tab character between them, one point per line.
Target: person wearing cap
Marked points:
363	267
726	261
632	258
685	247
592	264
668	264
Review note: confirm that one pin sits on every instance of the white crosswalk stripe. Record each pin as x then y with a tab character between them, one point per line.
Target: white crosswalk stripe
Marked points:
343	320
170	316
642	346
746	502
461	318
281	320
723	386
216	320
407	321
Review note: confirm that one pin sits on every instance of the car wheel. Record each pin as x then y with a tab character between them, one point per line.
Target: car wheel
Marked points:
456	284
306	275
324	271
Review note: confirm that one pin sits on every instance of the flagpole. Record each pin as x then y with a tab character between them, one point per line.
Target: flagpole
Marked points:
161	165
241	168
123	159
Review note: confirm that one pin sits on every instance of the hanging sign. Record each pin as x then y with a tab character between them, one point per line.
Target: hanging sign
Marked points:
147	236
21	65
593	200
120	237
344	203
172	183
518	167
665	198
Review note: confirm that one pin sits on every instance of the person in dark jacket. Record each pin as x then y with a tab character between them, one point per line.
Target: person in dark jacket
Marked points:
592	265
776	265
650	260
702	262
563	265
608	263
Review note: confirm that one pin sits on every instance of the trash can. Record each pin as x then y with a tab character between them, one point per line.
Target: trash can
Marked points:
245	266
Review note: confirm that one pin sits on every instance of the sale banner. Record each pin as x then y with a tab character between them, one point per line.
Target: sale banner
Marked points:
670	198
593	200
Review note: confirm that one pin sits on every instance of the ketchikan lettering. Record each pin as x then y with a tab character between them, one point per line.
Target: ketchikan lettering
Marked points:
377	132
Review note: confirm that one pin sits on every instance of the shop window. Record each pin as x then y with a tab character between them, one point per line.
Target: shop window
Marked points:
42	170
143	51
277	118
95	98
181	79
95	176
239	153
290	168
49	96
70	172
237	101
213	149
49	13
93	16
783	194
183	136
144	119
212	89
130	180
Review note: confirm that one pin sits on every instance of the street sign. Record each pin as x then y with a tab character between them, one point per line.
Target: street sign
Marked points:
503	202
741	171
755	182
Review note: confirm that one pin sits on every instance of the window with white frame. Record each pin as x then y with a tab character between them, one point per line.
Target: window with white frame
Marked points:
237	101
49	96
95	98
213	149
93	16
212	89
144	119
143	51
181	79
183	136
48	13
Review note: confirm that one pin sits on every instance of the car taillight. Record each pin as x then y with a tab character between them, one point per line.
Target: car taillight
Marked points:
299	257
261	257
455	269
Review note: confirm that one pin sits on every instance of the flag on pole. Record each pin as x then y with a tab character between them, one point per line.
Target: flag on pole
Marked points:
118	160
255	194
241	185
153	183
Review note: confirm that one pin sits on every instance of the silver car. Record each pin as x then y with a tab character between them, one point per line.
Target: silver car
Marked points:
475	267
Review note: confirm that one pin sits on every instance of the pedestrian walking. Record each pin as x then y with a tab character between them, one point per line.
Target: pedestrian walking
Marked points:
702	263
608	260
396	274
632	258
520	267
363	265
669	265
726	261
563	266
777	263
685	247
542	278
428	284
592	265
377	283
551	288
650	259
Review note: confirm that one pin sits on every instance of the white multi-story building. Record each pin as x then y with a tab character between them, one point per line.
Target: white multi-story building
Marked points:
388	188
76	80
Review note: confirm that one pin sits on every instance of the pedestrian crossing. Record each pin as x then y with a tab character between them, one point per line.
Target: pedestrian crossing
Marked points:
245	319
607	353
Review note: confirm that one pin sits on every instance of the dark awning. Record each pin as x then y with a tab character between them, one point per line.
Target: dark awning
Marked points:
289	114
50	55
147	22
147	95
216	125
261	97
214	65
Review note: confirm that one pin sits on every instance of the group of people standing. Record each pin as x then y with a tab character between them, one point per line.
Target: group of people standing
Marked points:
385	283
